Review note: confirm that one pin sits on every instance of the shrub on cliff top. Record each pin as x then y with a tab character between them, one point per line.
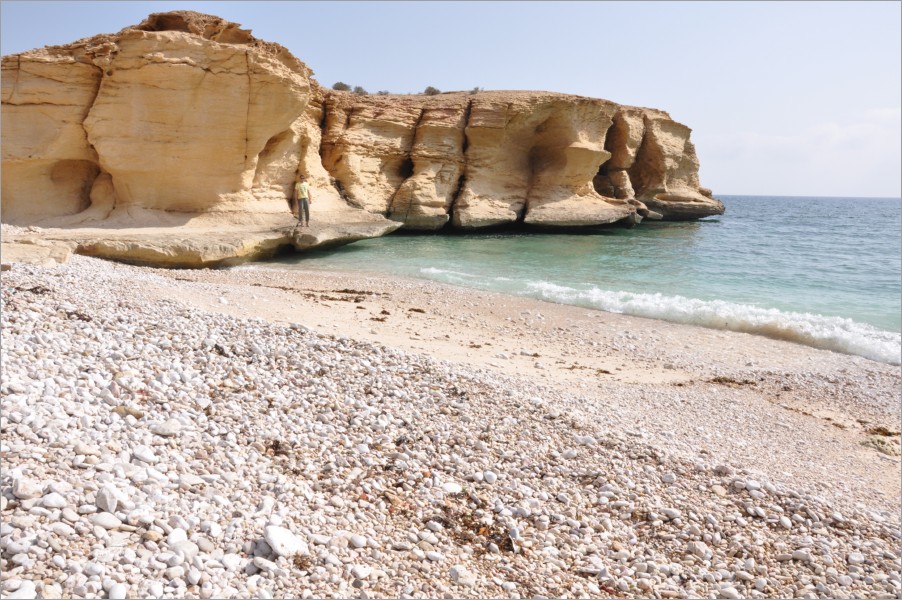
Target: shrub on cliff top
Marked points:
341	86
431	91
360	91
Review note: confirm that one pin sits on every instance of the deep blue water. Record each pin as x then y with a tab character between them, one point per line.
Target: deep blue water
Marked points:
819	271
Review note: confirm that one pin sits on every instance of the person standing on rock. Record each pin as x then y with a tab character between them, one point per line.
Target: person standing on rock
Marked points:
302	199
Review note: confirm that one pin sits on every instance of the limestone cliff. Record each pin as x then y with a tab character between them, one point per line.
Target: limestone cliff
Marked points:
497	158
187	124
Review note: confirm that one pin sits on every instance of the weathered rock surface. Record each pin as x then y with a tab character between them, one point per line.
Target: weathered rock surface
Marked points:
497	158
176	141
209	240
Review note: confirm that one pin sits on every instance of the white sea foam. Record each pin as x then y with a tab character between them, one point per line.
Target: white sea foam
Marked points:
829	333
454	276
446	273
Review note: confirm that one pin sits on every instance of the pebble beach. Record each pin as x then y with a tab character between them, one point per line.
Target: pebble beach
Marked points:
257	433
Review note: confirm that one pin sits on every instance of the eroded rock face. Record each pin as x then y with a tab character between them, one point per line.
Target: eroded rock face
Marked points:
48	165
532	160
184	112
500	158
189	114
208	115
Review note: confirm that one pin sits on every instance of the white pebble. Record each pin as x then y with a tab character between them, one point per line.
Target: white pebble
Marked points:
452	488
25	489
461	576
283	542
53	500
106	520
145	454
361	571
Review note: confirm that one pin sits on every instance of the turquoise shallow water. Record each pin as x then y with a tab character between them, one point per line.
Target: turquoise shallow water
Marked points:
819	271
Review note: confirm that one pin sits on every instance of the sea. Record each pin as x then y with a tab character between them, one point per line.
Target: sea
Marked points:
824	272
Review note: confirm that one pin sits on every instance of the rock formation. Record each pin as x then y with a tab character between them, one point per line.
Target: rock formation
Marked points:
176	141
498	158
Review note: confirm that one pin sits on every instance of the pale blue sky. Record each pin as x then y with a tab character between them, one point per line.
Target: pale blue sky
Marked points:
784	98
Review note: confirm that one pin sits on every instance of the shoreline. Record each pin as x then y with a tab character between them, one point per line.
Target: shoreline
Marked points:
549	391
583	349
755	320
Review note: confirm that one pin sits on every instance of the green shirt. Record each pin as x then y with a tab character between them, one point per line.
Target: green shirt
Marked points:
301	189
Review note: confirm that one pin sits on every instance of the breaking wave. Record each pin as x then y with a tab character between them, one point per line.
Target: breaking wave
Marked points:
828	333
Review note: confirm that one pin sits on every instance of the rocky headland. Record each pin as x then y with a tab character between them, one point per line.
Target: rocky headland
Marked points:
175	142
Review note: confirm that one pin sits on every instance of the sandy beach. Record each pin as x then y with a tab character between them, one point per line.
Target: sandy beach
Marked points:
257	432
730	396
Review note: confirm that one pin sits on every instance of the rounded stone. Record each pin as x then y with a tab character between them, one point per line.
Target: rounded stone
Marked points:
358	541
53	500
106	520
452	487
